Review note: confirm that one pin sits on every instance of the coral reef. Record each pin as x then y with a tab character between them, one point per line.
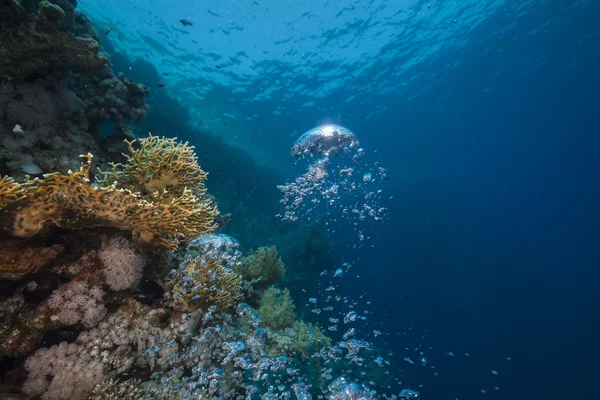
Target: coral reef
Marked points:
161	168
215	246
176	328
48	123
97	298
263	265
122	265
33	43
74	373
25	324
56	88
78	302
18	260
205	283
288	335
69	201
276	309
301	340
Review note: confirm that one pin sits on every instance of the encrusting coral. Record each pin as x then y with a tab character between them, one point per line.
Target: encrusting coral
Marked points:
33	43
18	260
70	201
57	89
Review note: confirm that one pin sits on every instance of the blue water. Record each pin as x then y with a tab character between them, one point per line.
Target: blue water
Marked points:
486	115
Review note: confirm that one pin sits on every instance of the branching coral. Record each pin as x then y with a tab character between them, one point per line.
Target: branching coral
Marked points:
160	168
10	191
265	264
161	218
204	284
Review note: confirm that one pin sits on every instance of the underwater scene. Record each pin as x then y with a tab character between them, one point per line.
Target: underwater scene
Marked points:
299	199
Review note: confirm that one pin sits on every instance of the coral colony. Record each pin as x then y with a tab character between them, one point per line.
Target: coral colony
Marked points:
114	283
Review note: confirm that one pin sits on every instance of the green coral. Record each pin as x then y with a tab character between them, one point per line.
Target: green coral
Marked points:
303	340
309	338
265	265
286	334
276	309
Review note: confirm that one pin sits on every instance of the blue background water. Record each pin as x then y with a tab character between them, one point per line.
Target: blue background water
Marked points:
486	115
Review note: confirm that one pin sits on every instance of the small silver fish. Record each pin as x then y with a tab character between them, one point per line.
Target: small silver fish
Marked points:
18	129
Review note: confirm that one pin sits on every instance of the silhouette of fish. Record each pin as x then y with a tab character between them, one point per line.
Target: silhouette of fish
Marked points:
185	22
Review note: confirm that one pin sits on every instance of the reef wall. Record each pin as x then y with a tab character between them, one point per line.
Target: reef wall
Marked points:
115	272
57	89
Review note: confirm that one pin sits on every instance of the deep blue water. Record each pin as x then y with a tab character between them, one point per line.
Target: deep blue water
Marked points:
489	127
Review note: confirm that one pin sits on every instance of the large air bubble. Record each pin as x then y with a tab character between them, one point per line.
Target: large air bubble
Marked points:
341	179
324	141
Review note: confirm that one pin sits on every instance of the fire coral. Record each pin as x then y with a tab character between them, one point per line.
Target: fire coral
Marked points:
158	195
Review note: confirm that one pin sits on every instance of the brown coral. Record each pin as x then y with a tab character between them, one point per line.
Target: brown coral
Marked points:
203	284
17	261
160	168
22	330
10	190
70	201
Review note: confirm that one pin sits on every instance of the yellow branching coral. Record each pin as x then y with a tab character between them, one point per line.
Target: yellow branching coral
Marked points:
173	214
205	283
10	191
160	167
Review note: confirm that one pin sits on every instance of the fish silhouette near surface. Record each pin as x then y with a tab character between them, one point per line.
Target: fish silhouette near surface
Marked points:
185	22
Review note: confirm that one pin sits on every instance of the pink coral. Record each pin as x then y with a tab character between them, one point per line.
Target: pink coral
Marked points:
122	265
77	301
62	372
